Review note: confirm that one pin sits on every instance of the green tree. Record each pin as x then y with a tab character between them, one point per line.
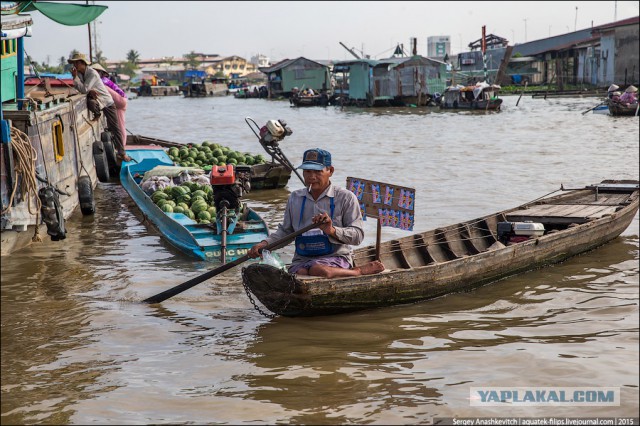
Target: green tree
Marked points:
192	60
62	62
100	59
133	56
127	68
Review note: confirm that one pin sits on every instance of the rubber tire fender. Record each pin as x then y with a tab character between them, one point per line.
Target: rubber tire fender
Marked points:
100	160
85	194
109	150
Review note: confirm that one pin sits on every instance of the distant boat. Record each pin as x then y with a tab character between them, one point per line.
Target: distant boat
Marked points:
482	96
196	86
301	100
620	109
52	153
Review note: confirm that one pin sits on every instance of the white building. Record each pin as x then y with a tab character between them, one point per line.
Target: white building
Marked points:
438	47
260	60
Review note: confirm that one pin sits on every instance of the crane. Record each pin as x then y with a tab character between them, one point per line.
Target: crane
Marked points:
350	51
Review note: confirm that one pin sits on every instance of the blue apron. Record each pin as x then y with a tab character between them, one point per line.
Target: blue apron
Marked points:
313	245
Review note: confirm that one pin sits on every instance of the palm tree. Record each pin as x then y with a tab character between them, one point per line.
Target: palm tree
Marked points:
133	56
62	62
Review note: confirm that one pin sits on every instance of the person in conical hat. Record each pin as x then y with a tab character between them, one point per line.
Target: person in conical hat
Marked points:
629	96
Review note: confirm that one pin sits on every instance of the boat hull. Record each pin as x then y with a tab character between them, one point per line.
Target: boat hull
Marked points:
451	259
197	240
492	105
619	110
62	171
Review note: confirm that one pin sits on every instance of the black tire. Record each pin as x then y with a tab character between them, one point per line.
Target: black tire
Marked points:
100	159
85	194
109	150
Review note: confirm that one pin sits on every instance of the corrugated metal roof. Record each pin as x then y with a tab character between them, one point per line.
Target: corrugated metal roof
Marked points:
285	63
624	22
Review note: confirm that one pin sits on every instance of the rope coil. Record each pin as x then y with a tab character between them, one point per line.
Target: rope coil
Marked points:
25	157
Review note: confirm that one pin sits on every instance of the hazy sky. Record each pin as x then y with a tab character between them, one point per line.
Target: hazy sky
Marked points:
312	29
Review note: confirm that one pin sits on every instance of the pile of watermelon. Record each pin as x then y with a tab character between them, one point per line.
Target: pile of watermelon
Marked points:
209	154
191	199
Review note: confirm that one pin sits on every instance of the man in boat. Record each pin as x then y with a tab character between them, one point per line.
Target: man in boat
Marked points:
325	251
87	80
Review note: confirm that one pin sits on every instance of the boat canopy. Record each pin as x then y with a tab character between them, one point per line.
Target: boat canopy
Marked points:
63	13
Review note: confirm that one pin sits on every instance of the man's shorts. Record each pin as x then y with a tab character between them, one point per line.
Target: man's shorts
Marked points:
334	261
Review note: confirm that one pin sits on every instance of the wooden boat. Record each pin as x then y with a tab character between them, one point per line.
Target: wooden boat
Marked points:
252	93
195	88
619	109
460	256
482	96
233	234
148	90
309	100
49	129
263	176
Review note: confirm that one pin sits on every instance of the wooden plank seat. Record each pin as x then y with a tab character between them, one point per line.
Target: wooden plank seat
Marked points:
561	213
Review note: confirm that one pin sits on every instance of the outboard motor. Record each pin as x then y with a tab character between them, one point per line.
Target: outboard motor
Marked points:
52	214
229	184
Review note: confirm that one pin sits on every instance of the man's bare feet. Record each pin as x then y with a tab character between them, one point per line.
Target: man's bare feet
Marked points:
373	267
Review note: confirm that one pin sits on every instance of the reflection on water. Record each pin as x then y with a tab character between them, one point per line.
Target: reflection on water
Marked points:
78	348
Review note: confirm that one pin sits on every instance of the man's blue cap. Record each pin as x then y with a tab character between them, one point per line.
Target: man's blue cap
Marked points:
315	159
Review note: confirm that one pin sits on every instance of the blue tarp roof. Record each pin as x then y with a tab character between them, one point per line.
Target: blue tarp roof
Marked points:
195	73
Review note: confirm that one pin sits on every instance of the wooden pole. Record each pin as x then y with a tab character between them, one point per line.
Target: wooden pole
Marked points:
523	89
378	236
89	30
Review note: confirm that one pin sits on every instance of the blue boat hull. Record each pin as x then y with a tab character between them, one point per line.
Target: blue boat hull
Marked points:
198	240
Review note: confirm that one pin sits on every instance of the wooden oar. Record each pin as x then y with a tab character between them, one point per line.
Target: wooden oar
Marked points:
160	297
591	109
522	93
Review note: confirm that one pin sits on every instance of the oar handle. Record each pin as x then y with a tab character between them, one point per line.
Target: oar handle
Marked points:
161	297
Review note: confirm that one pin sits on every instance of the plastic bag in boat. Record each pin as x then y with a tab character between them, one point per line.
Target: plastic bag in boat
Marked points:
271	259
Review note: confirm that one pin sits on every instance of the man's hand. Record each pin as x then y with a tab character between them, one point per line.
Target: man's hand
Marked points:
326	224
255	250
74	72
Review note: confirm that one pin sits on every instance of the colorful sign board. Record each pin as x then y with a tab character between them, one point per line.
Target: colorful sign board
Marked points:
392	205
